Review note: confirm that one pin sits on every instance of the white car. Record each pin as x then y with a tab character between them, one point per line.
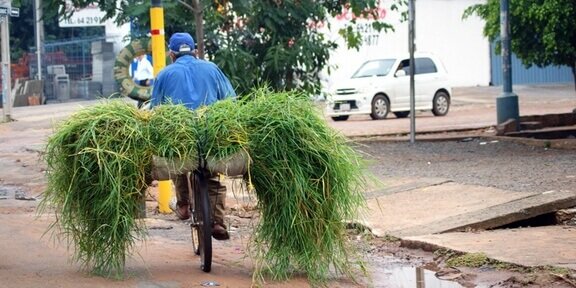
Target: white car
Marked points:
381	86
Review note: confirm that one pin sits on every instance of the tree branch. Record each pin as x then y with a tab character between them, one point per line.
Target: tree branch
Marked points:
188	6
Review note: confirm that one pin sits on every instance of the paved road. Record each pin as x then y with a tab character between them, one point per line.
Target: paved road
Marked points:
166	265
472	107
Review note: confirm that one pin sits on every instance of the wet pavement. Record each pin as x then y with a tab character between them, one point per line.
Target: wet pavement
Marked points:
528	247
396	274
424	216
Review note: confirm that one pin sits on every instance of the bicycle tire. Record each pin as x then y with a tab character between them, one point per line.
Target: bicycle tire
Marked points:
203	220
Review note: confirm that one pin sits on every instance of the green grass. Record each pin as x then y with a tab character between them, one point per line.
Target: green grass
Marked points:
308	179
97	161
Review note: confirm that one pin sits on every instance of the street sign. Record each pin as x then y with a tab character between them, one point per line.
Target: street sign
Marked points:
14	12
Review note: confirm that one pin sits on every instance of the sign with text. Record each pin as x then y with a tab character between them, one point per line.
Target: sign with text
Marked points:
14	12
82	17
9	11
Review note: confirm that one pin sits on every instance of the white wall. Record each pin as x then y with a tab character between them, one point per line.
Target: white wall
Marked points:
440	29
92	16
117	35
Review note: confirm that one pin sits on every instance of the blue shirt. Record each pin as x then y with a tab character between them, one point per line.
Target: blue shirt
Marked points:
191	82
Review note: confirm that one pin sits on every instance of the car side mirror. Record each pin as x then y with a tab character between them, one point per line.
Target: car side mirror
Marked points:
400	73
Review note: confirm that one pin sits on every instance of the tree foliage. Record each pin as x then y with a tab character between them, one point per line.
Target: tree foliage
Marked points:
277	42
542	32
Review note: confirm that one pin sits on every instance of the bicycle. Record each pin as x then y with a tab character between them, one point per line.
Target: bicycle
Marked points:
201	216
198	174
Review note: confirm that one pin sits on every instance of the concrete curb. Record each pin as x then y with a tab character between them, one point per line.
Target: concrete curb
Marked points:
529	251
431	247
442	135
466	133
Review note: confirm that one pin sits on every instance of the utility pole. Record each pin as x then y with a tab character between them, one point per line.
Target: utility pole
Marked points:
507	102
39	30
411	47
5	8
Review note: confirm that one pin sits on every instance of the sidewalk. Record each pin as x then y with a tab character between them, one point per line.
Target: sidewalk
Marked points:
422	212
431	214
525	93
473	108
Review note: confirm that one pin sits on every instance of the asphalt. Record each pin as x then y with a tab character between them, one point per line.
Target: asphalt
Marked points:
423	212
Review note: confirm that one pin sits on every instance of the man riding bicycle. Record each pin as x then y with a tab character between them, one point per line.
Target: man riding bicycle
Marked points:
193	83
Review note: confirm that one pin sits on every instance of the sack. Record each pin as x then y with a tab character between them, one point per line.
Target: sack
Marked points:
167	169
235	165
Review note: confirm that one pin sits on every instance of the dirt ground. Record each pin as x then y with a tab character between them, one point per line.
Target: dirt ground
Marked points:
165	259
31	258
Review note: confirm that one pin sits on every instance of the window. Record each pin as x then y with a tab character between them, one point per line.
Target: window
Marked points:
423	66
404	65
374	68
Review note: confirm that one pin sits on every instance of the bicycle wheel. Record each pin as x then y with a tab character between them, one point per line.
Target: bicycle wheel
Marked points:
202	220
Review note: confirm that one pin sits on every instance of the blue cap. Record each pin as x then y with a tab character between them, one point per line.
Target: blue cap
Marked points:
181	42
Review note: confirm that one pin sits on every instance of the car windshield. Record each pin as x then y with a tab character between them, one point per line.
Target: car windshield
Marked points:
374	68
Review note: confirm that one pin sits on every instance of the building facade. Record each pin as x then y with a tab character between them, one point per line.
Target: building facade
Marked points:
439	29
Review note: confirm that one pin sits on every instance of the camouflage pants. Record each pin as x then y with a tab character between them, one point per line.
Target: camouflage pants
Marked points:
216	191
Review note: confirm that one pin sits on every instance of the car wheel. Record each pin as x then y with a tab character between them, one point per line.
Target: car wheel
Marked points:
402	114
441	104
340	118
380	107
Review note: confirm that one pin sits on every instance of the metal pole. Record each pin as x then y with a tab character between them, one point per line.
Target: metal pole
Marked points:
38	23
411	47
507	102
157	31
6	79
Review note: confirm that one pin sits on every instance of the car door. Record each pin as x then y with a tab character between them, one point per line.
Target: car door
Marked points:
425	80
400	100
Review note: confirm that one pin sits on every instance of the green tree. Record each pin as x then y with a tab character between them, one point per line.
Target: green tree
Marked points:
255	42
542	32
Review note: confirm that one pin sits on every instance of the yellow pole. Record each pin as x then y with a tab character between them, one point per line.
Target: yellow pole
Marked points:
164	196
159	60
157	31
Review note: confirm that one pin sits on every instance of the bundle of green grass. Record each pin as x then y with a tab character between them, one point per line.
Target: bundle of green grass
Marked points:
307	178
96	171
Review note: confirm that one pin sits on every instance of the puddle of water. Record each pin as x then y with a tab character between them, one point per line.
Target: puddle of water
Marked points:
406	277
390	273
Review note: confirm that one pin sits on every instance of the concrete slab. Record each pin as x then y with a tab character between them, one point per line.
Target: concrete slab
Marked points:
498	215
397	212
397	185
537	246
